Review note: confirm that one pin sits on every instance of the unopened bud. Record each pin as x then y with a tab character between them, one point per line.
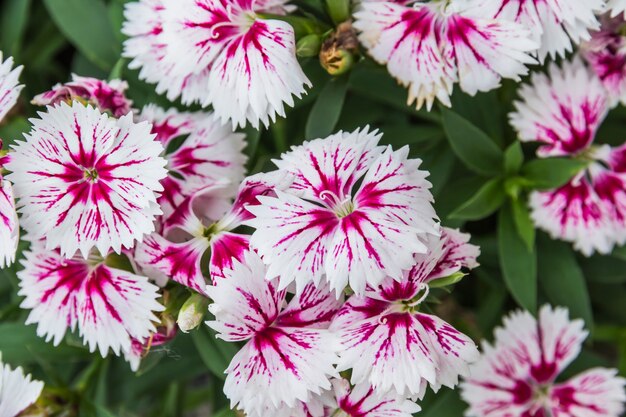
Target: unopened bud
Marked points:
192	312
339	10
339	50
308	46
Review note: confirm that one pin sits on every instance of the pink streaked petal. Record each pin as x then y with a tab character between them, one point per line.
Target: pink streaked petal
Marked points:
87	180
109	306
330	165
597	392
171	123
256	75
17	390
312	308
561	111
457	253
298	252
244	302
485	51
364	401
281	366
140	348
9	227
107	96
611	189
617	159
178	261
225	248
574	213
184	218
9	85
406	39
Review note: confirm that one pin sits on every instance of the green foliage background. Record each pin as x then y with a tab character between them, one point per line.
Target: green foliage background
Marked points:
480	175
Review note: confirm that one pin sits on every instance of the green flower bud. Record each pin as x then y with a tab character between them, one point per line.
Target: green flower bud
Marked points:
308	46
192	312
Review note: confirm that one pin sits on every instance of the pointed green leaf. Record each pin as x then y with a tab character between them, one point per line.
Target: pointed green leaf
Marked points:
550	173
513	158
327	109
484	203
447	281
523	222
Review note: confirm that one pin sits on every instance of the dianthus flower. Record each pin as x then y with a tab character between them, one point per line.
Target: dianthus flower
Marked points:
556	25
17	391
355	213
219	53
109	306
9	228
563	112
85	179
289	353
516	376
210	153
390	344
428	47
107	96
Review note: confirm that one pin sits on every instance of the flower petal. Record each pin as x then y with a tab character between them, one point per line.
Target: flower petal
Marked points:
597	392
244	302
178	261
109	306
364	401
17	391
9	227
9	85
256	75
313	308
86	180
562	111
617	7
226	248
456	253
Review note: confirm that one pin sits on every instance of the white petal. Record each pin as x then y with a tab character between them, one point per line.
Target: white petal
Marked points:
9	227
17	391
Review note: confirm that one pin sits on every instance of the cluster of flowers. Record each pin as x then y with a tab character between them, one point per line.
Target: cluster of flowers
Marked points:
345	246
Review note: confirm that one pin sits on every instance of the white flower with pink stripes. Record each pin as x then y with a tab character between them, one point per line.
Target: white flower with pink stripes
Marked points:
355	213
110	307
289	354
87	180
428	47
17	391
563	112
219	53
390	344
557	25
516	376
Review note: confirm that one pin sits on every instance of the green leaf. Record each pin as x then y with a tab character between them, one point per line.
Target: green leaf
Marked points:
523	222
547	174
216	354
472	146
327	109
562	279
13	20
518	263
604	269
484	203
86	25
513	158
447	281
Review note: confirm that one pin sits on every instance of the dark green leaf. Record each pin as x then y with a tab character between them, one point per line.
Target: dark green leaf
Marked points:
472	146
13	19
211	351
519	265
86	25
562	279
523	222
547	174
513	158
327	109
484	203
604	269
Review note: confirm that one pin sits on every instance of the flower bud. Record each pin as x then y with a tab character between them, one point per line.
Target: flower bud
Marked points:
339	10
192	312
308	46
339	50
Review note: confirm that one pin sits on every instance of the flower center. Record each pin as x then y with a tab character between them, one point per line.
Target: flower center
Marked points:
90	174
341	207
541	398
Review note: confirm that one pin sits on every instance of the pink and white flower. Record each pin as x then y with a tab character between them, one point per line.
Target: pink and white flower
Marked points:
210	154
325	225
556	25
562	110
516	376
605	53
9	85
87	180
428	47
289	353
389	344
17	391
194	234
242	65
107	96
109	306
165	332
363	401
